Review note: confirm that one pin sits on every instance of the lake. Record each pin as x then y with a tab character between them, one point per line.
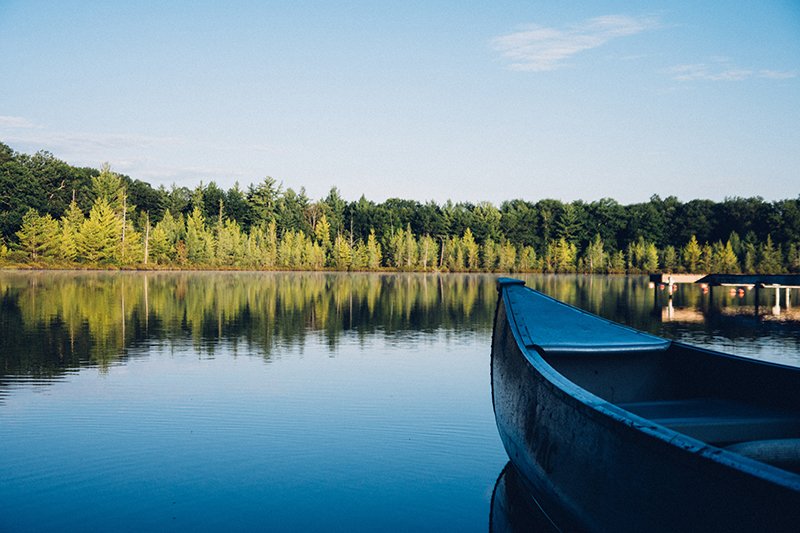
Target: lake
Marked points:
286	401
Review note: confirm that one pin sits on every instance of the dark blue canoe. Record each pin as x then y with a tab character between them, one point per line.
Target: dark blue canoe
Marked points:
617	430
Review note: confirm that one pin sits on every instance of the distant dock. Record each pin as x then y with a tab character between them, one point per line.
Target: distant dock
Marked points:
779	281
791	281
749	281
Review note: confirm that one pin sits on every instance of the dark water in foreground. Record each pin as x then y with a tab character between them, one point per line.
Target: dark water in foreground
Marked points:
207	401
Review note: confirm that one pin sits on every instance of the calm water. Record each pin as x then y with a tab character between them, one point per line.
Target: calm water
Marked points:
286	401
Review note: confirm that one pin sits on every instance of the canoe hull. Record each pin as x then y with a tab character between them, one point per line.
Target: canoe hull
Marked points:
594	468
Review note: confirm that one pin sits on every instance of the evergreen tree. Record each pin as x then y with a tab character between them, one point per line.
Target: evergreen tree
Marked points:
595	257
322	231
453	255
159	246
724	260
793	258
617	263
528	261
471	250
342	253
490	253
230	243
650	258
199	242
564	255
506	257
706	259
100	233
691	255
38	236
428	252
670	259
771	258
108	186
373	252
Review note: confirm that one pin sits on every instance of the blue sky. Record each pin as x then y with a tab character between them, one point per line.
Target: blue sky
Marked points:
424	100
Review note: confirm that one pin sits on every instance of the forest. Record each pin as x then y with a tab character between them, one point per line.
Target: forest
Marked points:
54	215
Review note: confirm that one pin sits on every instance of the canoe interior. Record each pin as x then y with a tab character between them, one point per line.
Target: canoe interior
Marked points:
719	399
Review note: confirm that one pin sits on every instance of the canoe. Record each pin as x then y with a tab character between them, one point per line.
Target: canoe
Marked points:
613	429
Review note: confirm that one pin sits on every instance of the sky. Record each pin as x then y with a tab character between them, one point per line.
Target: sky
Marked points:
425	100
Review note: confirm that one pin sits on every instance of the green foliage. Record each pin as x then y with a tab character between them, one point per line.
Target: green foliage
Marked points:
595	258
490	255
691	255
268	227
471	250
373	252
428	253
99	234
39	236
670	259
650	262
770	258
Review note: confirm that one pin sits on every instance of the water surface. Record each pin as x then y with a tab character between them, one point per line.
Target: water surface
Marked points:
284	401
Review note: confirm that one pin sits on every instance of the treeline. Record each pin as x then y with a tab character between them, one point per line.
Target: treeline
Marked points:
54	214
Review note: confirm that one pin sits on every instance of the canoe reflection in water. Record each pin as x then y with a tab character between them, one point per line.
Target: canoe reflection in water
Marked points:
514	509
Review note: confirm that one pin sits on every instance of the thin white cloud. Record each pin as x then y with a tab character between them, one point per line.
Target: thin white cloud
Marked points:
73	142
539	49
15	122
723	71
777	74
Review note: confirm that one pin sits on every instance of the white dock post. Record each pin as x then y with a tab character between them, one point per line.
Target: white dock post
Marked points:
776	310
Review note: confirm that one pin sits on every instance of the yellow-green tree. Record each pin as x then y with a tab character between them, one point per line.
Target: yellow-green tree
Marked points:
100	234
38	236
342	253
428	252
159	245
506	257
71	224
199	241
650	263
373	252
691	254
471	250
490	255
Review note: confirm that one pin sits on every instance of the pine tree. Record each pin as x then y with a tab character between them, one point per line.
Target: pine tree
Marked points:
230	243
373	252
528	261
199	242
453	255
342	253
471	250
706	259
100	234
566	254
771	258
793	258
159	246
650	264
428	252
410	249
68	244
38	236
670	259
490	253
595	257
691	255
506	257
322	231
617	263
